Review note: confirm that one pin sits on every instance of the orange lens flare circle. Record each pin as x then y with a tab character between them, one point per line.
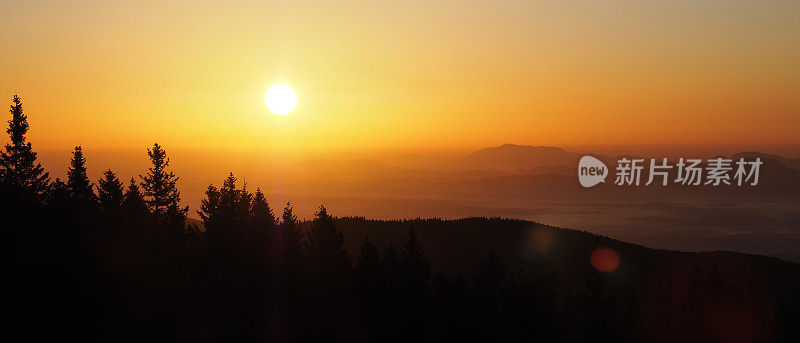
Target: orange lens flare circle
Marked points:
604	259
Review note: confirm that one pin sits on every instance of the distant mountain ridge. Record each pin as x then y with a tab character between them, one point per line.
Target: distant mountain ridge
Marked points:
512	156
789	163
556	159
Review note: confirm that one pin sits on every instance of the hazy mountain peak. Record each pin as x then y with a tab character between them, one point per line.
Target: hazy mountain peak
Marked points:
513	156
525	147
789	163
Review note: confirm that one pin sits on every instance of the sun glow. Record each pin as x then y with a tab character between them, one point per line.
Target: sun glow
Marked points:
281	99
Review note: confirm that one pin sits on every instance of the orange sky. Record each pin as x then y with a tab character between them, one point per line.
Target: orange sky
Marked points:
403	75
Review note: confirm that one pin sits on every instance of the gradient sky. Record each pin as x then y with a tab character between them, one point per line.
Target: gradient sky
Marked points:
403	74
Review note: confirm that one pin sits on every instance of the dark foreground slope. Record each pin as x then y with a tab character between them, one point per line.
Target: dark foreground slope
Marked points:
666	295
457	246
74	277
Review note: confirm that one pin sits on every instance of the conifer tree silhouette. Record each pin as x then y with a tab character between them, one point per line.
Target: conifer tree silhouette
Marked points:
368	273
491	278
225	211
261	215
390	261
393	281
370	286
536	292
261	231
491	287
110	194
287	260
58	195
161	192
327	257
417	271
175	218
288	244
414	288
19	171
134	205
289	220
80	187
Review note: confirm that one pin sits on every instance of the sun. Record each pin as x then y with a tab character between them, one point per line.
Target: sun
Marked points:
281	99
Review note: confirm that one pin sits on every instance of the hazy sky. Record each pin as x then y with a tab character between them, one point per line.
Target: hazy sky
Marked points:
403	74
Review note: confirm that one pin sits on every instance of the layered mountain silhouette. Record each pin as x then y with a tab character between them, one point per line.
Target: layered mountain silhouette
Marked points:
540	158
540	183
531	171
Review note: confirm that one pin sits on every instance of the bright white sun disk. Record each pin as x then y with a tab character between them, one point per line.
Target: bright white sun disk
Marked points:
281	99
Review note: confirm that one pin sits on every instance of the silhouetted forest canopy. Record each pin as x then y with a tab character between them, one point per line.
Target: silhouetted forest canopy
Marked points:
117	260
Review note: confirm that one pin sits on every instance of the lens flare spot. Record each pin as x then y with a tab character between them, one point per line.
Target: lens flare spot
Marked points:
604	259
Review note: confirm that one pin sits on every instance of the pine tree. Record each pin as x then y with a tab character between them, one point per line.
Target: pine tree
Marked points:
289	242
81	189
290	233
57	195
245	203
368	270
416	269
209	209
491	278
394	300
133	198
414	289
161	192
261	230
19	171
370	258
325	242
110	193
134	206
175	218
370	287
534	290
539	278
225	211
390	261
261	215
493	310
326	250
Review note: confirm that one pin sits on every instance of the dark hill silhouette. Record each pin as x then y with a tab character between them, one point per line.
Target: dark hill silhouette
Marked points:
660	284
456	246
